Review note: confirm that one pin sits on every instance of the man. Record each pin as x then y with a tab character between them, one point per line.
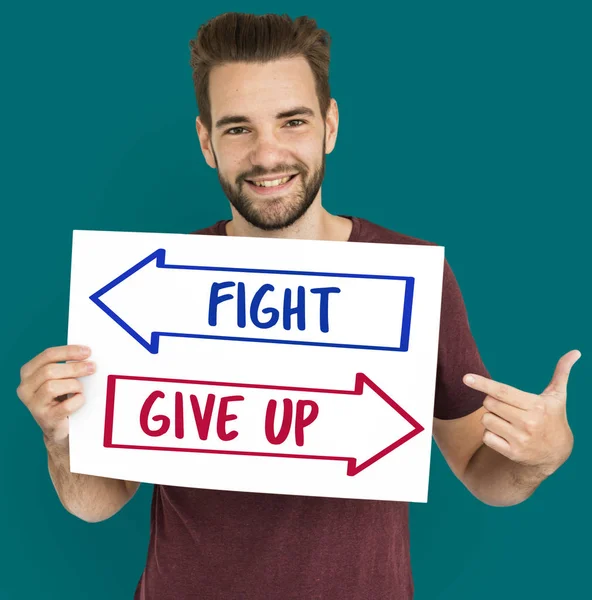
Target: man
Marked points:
266	122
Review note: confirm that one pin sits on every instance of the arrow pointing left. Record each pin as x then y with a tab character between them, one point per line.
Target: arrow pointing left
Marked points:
344	310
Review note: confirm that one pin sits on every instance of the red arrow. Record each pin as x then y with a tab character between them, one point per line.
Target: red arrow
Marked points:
338	424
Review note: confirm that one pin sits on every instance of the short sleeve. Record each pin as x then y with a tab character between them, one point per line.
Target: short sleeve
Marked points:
457	355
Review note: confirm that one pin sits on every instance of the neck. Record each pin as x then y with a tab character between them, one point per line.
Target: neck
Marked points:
316	224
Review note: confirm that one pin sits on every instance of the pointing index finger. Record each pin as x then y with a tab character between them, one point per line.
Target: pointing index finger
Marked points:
499	391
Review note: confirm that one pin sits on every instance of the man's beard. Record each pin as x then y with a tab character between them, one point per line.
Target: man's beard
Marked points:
269	213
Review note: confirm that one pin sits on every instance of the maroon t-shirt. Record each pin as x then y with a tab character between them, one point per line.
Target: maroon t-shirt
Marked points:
221	545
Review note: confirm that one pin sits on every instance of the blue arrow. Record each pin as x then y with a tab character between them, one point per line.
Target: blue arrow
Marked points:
158	256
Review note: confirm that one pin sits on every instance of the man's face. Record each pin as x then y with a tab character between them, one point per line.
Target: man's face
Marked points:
268	139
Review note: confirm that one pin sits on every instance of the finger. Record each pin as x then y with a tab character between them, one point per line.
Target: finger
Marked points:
52	389
54	355
68	407
495	442
51	371
499	426
499	391
509	413
558	384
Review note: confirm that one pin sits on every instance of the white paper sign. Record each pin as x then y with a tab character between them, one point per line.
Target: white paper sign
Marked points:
280	366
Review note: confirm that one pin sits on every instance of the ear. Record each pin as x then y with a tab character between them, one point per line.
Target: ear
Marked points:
332	125
205	142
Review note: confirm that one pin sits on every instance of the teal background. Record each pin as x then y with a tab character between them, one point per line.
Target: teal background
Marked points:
464	123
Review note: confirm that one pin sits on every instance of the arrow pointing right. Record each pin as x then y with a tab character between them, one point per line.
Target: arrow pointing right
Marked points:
358	426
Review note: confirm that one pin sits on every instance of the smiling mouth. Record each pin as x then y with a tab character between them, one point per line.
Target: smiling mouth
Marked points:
272	182
273	187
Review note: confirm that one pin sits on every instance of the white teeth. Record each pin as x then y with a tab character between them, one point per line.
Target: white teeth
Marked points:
271	183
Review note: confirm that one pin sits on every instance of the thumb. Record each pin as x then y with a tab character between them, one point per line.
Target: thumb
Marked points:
558	383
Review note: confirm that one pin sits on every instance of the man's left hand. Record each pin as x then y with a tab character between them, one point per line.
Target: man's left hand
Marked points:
529	429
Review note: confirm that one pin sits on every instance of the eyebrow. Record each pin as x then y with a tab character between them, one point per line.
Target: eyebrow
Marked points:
234	119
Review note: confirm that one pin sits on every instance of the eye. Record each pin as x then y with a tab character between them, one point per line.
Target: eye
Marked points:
296	121
229	131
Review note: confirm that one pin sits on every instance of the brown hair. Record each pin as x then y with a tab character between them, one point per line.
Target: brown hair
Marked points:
242	37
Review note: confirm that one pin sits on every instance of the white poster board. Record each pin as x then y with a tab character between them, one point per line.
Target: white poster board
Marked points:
280	366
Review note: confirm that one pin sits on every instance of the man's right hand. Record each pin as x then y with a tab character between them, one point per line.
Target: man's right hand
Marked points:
51	391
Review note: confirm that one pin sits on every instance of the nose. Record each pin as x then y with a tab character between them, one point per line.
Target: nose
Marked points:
267	150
